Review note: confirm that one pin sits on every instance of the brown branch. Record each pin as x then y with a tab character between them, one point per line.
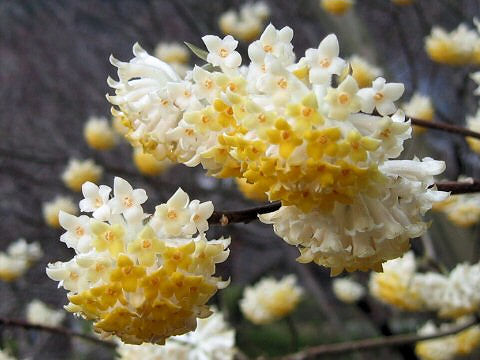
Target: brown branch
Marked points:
247	215
445	127
374	343
55	330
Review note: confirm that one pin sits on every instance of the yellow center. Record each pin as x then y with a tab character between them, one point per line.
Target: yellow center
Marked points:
325	63
146	244
223	53
187	93
267	48
128	201
73	275
262	118
282	83
385	133
99	267
172	214
307	111
343	98
79	231
208	83
164	102
109	236
205	119
189	132
378	96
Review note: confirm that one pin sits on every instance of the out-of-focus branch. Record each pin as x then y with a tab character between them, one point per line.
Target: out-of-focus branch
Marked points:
55	330
445	127
374	343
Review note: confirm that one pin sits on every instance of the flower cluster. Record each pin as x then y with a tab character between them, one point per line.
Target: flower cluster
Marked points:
282	125
18	257
363	72
78	172
396	285
419	107
51	209
463	210
447	347
40	314
461	46
213	339
270	299
247	23
147	164
98	134
347	290
138	277
336	7
175	54
251	191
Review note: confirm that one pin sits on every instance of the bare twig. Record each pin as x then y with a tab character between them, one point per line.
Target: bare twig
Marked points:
446	127
55	330
374	343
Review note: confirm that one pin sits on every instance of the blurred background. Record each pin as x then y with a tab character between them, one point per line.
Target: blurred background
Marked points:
53	70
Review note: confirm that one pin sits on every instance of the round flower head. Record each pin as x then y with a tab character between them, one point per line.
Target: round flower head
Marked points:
270	299
135	277
396	285
51	209
336	7
459	47
172	52
18	258
77	172
447	347
419	107
347	290
246	24
212	339
98	134
147	164
40	314
363	72
282	126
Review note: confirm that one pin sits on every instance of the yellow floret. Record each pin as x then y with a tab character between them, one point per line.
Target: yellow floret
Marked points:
147	164
336	7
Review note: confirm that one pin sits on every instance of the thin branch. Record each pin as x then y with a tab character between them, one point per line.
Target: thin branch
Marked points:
374	343
55	330
446	127
459	187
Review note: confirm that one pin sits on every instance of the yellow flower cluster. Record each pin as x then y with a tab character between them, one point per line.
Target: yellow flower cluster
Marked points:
141	282
78	172
51	209
251	191
447	347
336	7
419	107
456	48
99	134
147	164
395	285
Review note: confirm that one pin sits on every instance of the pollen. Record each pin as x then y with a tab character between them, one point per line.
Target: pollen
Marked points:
282	83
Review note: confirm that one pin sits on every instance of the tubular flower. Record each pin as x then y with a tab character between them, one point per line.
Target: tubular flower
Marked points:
419	107
347	290
459	47
336	7
51	209
280	124
212	339
77	172
98	134
18	258
134	277
40	314
147	164
453	295
247	23
447	347
270	299
396	285
363	72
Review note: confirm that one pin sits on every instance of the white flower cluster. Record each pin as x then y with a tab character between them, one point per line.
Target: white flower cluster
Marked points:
18	258
213	340
347	290
281	125
141	279
461	46
78	172
247	23
99	134
447	347
40	314
452	295
51	209
270	299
